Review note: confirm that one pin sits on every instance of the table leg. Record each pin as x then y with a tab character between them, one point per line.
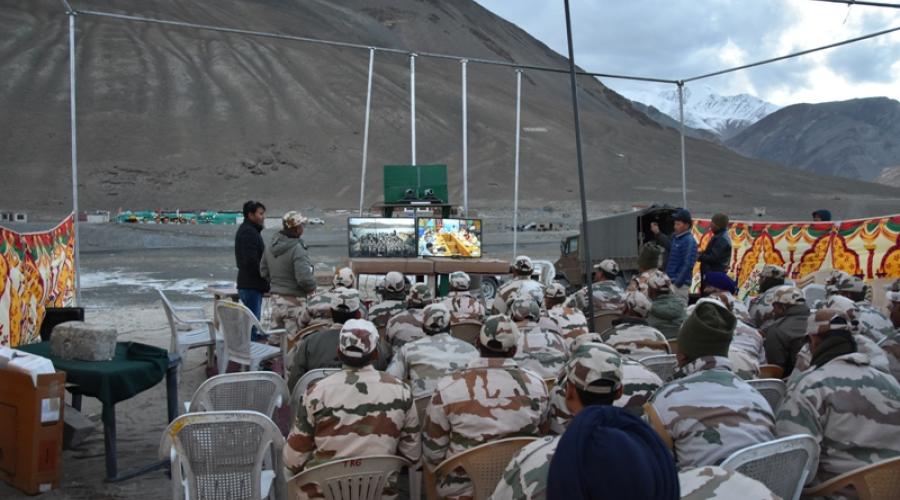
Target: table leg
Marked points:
109	441
172	386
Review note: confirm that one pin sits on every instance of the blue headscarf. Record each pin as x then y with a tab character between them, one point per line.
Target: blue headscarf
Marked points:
609	453
721	281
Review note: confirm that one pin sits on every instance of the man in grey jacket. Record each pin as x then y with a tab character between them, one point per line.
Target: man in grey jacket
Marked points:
286	265
786	333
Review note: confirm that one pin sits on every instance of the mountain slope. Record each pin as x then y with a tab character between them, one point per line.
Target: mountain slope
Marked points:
855	139
178	118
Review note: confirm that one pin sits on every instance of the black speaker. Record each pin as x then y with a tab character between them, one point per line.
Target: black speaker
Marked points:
56	315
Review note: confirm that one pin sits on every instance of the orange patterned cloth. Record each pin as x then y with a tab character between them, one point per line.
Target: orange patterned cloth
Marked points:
37	270
868	248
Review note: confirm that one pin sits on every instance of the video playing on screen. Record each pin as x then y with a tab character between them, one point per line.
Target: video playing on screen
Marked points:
382	237
449	237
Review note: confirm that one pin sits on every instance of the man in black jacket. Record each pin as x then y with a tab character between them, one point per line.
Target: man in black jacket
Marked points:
248	250
717	255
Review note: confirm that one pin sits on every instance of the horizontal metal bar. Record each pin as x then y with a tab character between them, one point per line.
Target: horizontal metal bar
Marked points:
865	3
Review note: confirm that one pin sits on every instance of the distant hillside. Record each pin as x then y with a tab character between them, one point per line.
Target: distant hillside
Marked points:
889	176
855	139
178	118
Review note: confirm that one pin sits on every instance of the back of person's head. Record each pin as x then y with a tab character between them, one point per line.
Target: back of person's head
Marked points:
822	215
522	266
637	304
343	277
607	452
554	294
595	372
707	331
435	319
459	281
344	305
771	276
658	283
250	207
498	337
394	286
419	296
357	342
648	258
608	269
524	308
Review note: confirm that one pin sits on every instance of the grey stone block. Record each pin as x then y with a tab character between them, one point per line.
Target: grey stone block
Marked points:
76	429
83	341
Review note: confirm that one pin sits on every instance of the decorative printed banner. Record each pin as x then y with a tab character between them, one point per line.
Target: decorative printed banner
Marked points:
37	270
868	248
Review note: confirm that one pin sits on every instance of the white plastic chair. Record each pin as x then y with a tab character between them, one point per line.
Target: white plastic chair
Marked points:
254	391
814	292
663	365
773	389
784	465
484	465
358	478
223	455
236	322
304	382
190	333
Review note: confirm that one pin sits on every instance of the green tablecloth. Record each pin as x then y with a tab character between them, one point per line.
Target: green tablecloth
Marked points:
136	368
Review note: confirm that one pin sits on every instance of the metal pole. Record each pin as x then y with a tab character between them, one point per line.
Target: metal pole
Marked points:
681	131
516	181
585	237
74	130
365	151
412	105
465	138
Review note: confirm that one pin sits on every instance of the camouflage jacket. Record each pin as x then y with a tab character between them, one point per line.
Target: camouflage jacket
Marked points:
639	283
516	286
526	474
710	413
785	337
382	312
872	323
716	483
540	351
760	307
746	351
404	327
425	361
464	306
491	399
352	413
852	409
878	358
635	341
891	348
570	322
638	385
607	295
667	314
318	307
320	350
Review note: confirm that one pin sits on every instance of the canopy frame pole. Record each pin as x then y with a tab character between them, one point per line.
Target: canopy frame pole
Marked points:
465	136
681	133
412	109
74	129
516	178
365	150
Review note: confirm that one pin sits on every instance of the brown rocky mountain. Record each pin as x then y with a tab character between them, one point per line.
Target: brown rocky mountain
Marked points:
856	138
179	118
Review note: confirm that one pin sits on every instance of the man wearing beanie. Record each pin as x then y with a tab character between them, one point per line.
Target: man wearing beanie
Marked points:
425	361
716	257
648	260
709	413
491	399
849	407
357	411
682	255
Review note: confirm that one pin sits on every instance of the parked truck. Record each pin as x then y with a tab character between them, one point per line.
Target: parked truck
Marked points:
617	237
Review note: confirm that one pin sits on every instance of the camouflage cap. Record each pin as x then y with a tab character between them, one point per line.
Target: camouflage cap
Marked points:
585	338
788	295
523	265
293	219
436	318
394	282
523	308
638	303
849	283
893	296
895	286
419	294
607	265
773	272
499	333
345	298
344	277
555	291
459	281
358	338
594	362
842	304
827	320
320	305
659	281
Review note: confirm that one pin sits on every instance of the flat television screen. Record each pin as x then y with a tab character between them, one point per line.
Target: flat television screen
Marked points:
381	237
449	237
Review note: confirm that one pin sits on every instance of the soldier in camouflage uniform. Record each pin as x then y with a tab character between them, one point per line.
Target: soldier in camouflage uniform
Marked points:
317	310
638	384
852	409
358	411
760	307
491	399
716	483
667	311
393	300
567	322
541	351
425	361
406	326
592	377
521	284
891	345
785	333
636	341
872	323
709	412
286	265
608	296
648	261
747	350
463	306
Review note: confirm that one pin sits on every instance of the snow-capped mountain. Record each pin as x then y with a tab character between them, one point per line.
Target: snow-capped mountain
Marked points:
724	116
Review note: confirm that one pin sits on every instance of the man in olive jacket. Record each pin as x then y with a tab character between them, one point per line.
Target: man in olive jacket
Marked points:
786	333
287	266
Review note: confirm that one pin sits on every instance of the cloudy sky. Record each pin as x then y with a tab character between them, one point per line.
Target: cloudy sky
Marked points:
683	38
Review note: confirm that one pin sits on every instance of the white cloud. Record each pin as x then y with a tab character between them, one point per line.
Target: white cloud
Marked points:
683	38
